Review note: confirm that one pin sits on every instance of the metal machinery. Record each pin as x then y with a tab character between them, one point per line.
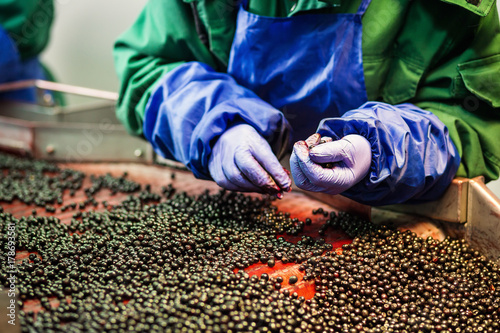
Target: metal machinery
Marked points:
87	132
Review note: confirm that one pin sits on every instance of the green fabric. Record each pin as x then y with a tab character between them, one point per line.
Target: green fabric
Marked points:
28	24
442	56
480	7
478	77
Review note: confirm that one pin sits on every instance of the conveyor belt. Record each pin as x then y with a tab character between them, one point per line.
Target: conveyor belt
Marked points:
332	286
296	203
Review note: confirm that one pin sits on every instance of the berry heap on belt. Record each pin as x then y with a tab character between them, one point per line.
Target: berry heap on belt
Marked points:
151	265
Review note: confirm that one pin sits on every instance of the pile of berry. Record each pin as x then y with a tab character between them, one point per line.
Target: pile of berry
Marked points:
174	263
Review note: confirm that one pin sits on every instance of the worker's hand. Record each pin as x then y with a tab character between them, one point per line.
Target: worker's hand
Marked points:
242	160
349	160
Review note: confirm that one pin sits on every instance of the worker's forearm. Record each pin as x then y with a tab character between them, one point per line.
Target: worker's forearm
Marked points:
139	76
148	50
413	157
193	105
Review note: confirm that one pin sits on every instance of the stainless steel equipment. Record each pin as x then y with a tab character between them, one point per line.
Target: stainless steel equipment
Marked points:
87	132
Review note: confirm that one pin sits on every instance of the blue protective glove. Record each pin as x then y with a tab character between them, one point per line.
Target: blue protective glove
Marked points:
350	158
242	160
192	106
413	159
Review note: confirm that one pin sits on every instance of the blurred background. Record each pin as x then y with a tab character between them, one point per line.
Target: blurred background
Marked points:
81	44
80	50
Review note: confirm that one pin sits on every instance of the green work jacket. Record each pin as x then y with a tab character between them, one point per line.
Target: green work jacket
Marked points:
28	24
443	56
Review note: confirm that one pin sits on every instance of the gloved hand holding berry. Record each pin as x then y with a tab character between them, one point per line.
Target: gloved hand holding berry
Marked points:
349	158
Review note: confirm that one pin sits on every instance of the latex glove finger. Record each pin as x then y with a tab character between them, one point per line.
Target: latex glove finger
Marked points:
227	175
353	150
301	181
313	140
333	181
218	174
255	173
334	151
317	139
234	180
298	175
270	163
242	160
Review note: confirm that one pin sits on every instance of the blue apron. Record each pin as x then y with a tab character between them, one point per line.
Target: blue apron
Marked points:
12	68
308	66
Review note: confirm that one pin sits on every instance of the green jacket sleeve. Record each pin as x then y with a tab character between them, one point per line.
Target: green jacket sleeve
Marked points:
28	24
463	90
162	38
446	59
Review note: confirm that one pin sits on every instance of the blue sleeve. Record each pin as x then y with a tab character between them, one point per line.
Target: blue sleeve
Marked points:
12	68
413	157
193	105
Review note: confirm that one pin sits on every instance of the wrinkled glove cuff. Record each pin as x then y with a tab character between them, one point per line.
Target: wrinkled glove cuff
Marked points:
413	157
267	121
